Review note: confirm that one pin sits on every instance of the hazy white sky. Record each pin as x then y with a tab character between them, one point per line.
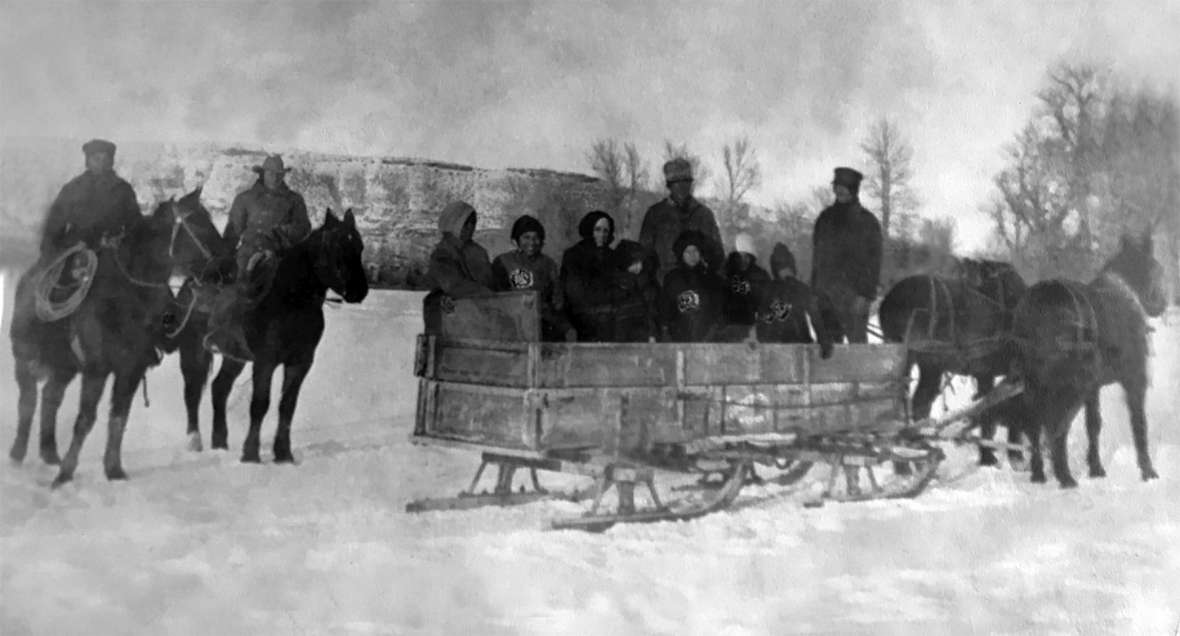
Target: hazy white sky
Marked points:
533	84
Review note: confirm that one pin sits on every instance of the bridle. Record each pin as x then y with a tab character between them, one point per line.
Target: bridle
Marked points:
180	221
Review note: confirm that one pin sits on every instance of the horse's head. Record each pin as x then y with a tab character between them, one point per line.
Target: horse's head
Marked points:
1135	263
338	259
193	239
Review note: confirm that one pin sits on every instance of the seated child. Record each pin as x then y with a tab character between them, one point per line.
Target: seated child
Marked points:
527	268
636	317
693	297
743	279
786	304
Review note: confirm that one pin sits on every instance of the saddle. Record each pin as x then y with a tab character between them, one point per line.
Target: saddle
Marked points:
62	286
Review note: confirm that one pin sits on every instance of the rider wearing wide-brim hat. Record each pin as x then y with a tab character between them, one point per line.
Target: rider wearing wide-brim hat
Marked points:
264	220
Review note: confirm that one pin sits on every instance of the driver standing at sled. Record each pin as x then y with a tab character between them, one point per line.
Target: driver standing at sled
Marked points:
263	220
94	204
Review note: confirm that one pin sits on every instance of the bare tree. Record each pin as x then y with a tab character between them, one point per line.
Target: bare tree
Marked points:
891	157
624	172
700	171
742	171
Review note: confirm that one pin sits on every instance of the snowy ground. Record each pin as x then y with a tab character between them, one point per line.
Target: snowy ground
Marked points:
198	543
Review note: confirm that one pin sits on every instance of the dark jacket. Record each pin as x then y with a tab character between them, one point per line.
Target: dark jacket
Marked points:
588	282
741	292
456	268
847	250
636	305
263	219
515	271
665	221
691	304
784	307
88	207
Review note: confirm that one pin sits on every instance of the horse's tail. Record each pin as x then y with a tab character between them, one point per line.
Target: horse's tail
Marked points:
1054	337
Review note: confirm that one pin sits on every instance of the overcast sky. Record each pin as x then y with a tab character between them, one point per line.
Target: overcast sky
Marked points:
533	84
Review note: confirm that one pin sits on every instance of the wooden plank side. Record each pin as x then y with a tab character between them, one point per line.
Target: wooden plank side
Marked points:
513	316
860	362
606	365
504	366
493	418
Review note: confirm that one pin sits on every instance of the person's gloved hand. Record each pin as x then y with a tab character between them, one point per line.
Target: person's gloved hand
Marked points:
825	350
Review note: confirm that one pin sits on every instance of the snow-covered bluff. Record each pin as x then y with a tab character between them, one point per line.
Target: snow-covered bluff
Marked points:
396	200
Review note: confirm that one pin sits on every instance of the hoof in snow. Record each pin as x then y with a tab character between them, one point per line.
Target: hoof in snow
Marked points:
60	481
194	443
251	459
116	474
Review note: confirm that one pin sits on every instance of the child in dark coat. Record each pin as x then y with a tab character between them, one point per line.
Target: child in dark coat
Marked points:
527	268
744	278
636	314
693	297
785	305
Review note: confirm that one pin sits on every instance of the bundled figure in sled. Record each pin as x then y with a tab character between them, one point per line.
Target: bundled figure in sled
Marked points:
527	268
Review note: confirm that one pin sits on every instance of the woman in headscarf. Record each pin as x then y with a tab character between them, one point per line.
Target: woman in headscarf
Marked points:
459	266
587	278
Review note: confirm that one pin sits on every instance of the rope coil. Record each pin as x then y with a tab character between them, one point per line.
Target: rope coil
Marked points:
49	282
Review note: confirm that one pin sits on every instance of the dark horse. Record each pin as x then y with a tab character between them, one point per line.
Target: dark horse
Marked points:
957	324
285	327
115	330
1072	339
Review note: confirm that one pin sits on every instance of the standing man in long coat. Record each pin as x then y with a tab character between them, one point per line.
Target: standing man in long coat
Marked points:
846	259
665	221
94	204
263	220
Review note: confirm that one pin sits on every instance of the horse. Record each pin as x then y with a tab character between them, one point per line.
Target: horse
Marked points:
189	315
116	330
1071	339
956	324
285	327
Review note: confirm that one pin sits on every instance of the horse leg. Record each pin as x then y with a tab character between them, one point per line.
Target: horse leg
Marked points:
121	394
1066	408
293	376
259	405
1015	437
1135	404
1035	427
987	423
929	378
92	387
222	385
51	397
194	365
26	406
1093	431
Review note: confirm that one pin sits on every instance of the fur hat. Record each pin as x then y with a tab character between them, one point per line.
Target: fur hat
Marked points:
686	238
848	178
678	169
586	225
527	223
743	242
273	163
781	258
98	145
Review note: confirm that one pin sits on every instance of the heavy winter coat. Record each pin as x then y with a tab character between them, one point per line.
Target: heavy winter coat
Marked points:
588	283
515	271
262	219
691	304
456	268
665	221
742	287
89	206
847	250
636	316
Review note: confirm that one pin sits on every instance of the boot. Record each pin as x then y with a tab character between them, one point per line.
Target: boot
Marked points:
226	334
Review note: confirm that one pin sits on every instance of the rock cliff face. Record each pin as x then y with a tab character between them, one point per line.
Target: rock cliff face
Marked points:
396	201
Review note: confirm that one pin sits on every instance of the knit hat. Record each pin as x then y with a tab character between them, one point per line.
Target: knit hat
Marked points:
527	223
744	243
98	145
848	178
781	258
678	169
686	238
586	225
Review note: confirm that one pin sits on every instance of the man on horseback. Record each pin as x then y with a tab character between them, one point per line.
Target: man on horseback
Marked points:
94	204
846	265
263	220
